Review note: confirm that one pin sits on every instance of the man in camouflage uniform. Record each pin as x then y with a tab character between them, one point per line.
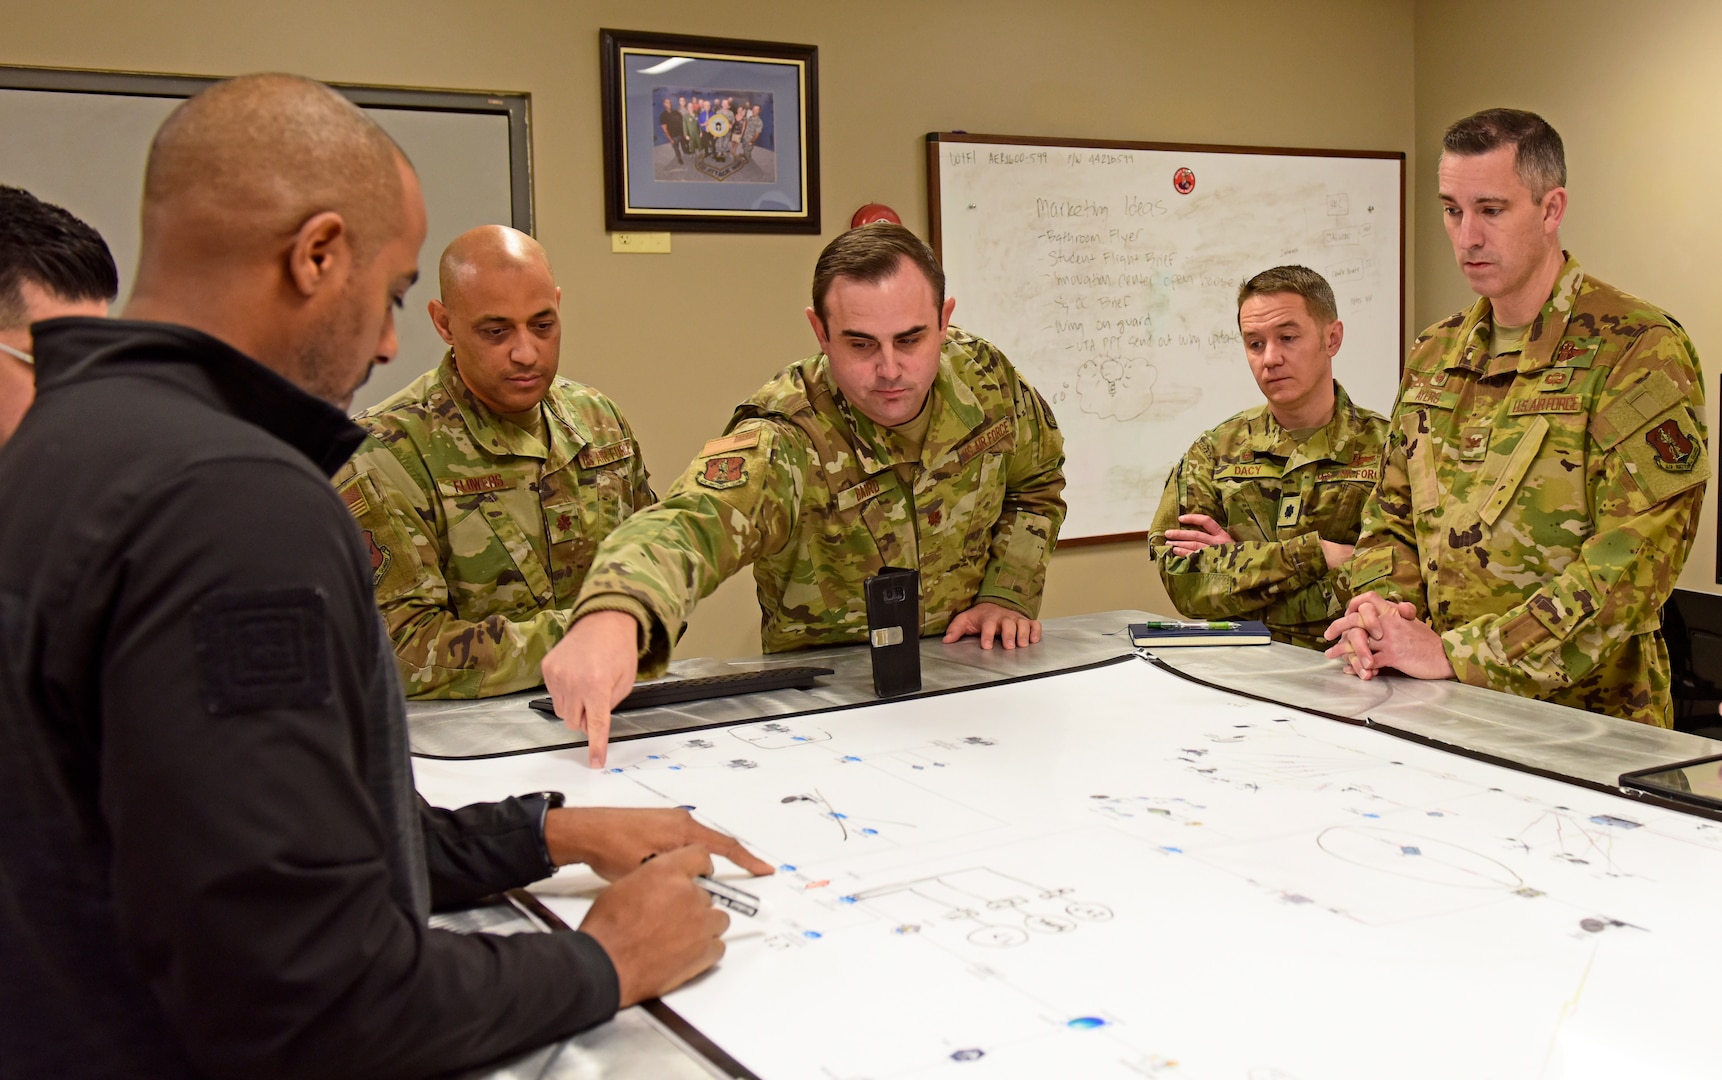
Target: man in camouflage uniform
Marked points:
486	484
1547	463
905	442
1288	478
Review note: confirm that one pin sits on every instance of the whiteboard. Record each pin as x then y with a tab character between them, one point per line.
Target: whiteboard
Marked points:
1117	873
1108	273
80	139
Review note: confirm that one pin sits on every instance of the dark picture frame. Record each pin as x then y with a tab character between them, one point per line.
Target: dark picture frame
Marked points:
735	150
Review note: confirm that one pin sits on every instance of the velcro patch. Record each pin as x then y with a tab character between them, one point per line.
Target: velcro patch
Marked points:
985	441
723	472
357	505
1667	457
852	497
1547	403
1248	470
594	457
1371	473
1424	395
1650	397
262	649
473	485
741	440
1555	379
1291	508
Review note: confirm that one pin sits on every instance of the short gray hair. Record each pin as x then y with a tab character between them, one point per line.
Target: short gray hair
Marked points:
1541	157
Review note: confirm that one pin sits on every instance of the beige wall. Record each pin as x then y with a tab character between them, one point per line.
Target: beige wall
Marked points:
1336	73
1635	98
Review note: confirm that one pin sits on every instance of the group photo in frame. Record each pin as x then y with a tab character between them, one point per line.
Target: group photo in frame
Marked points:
709	134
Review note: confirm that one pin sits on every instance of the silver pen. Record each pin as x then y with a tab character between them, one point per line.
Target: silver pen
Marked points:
729	896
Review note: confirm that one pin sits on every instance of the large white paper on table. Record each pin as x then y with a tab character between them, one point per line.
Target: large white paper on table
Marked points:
1118	873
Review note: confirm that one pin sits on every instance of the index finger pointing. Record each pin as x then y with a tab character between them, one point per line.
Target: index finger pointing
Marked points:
597	724
730	848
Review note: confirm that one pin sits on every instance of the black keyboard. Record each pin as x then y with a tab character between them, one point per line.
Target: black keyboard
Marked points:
672	691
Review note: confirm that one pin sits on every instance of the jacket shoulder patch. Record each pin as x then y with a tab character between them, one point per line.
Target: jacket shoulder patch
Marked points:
741	440
721	473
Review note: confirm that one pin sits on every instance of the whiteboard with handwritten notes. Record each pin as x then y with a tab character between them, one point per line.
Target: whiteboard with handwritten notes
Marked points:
1109	272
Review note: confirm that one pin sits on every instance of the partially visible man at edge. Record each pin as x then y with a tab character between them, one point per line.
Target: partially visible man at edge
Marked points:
1288	477
486	484
215	862
51	265
1547	465
904	442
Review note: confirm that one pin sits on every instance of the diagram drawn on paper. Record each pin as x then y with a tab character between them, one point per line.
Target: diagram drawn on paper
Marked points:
1117	873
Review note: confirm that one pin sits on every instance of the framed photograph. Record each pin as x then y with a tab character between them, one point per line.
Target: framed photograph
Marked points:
709	134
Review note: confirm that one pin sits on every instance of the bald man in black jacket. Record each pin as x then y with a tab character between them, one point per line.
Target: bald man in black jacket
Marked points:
213	860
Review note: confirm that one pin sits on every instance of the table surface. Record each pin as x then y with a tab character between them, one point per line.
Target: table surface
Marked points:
1551	738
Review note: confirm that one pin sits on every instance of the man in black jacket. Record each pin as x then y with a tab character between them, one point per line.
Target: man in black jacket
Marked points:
213	859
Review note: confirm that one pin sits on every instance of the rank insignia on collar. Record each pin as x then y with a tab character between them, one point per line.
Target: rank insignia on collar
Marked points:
1675	450
724	472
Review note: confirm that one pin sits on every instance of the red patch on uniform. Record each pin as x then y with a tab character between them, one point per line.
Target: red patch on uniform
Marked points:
724	472
934	517
1184	181
564	522
1674	448
381	557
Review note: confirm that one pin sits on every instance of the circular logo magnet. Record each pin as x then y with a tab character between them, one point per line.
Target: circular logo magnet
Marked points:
1184	181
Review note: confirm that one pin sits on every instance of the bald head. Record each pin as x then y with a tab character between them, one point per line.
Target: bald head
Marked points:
500	313
485	251
281	219
244	163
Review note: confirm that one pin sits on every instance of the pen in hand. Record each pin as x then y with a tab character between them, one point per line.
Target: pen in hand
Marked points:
737	900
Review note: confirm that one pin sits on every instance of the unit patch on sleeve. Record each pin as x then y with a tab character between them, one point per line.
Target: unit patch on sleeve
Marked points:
381	558
1675	450
724	472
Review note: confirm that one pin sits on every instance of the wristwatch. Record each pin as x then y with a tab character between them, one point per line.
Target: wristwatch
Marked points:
547	801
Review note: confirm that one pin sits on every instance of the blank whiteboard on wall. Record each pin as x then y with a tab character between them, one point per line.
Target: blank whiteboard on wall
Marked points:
1108	272
79	139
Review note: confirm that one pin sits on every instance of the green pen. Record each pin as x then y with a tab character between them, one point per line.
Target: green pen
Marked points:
1196	624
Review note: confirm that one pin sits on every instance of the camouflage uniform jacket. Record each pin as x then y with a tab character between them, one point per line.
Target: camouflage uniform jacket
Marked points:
1537	507
480	533
803	487
1278	500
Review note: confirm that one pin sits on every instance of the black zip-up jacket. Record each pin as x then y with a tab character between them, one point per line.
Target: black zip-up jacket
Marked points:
212	861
